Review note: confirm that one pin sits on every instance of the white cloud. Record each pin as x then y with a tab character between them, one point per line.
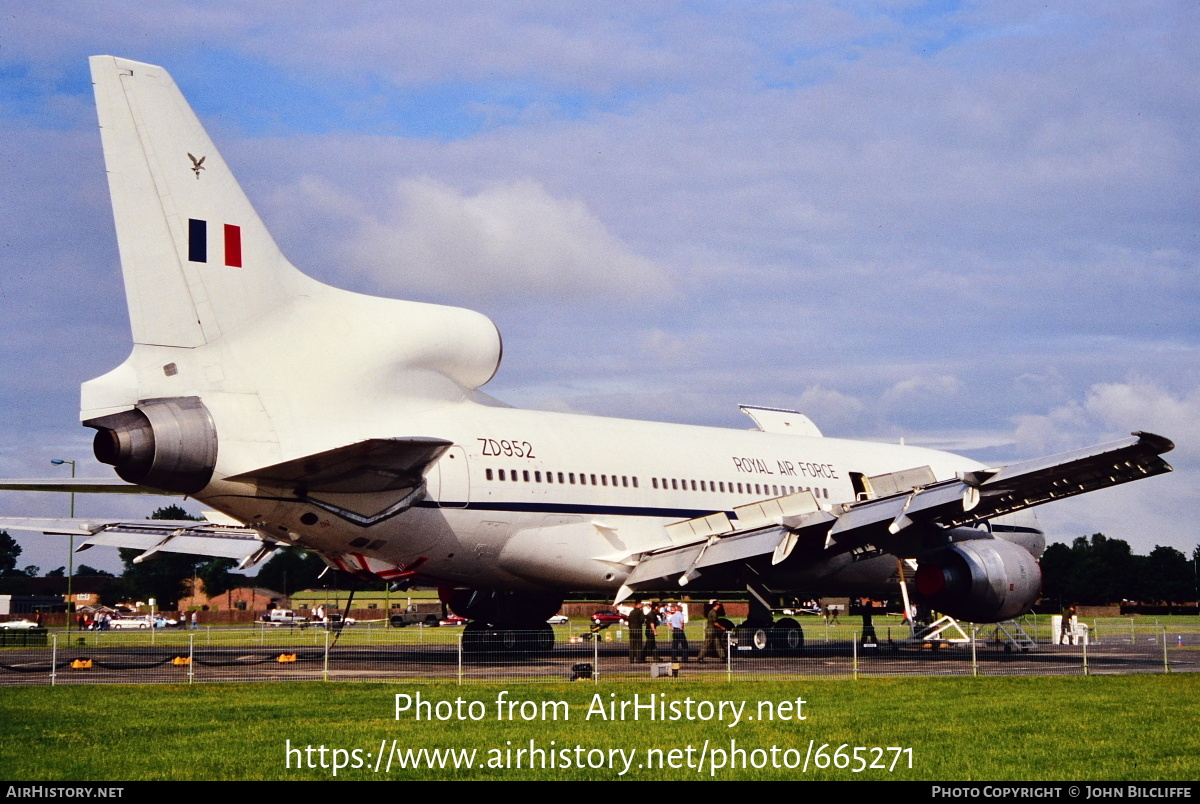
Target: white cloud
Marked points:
1147	407
676	349
1111	411
829	408
955	219
918	388
1056	431
509	239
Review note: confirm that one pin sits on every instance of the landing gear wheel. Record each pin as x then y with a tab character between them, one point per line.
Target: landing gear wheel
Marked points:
755	636
543	638
477	637
789	636
508	641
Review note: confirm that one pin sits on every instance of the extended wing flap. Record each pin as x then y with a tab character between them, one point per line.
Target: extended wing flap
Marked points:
153	535
63	526
192	538
676	562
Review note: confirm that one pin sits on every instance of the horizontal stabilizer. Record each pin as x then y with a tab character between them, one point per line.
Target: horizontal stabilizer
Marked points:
363	483
82	485
374	465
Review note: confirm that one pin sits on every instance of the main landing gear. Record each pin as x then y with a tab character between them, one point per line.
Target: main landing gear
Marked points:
504	622
783	637
762	635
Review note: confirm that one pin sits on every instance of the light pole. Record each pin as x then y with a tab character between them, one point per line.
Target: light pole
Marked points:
70	551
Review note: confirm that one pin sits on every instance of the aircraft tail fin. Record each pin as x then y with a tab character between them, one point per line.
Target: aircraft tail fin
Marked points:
197	261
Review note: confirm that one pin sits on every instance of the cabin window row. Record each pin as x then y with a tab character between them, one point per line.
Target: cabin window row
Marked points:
564	478
676	484
625	481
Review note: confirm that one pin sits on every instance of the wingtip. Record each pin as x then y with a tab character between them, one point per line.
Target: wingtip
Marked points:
1159	444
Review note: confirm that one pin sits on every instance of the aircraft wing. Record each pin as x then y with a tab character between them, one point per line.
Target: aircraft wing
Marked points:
774	528
151	536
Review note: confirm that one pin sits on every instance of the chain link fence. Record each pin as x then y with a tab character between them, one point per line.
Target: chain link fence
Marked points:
358	653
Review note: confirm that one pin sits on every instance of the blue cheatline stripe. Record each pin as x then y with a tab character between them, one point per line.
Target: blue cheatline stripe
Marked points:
548	508
573	508
197	240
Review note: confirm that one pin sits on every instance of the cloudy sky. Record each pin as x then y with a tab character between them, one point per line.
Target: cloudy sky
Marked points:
970	225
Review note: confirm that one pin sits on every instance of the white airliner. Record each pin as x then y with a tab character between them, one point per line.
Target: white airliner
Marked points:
353	426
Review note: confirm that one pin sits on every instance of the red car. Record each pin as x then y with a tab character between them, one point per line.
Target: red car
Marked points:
607	617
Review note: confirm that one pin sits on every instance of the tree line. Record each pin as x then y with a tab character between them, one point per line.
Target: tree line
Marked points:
1097	570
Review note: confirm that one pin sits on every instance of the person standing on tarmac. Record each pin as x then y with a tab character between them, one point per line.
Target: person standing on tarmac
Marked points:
650	647
637	629
714	633
679	643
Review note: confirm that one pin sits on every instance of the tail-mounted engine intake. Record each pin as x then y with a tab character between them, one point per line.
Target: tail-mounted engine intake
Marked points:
168	444
982	581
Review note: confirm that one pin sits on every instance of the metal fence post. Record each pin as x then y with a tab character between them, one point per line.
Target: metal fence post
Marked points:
974	653
854	654
325	673
460	656
191	658
728	657
1166	664
1085	664
53	659
596	661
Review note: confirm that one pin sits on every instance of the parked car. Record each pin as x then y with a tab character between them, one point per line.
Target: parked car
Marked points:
559	619
607	617
284	617
412	616
126	623
453	619
19	624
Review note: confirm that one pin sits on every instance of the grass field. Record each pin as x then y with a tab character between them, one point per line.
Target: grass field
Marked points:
1048	728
